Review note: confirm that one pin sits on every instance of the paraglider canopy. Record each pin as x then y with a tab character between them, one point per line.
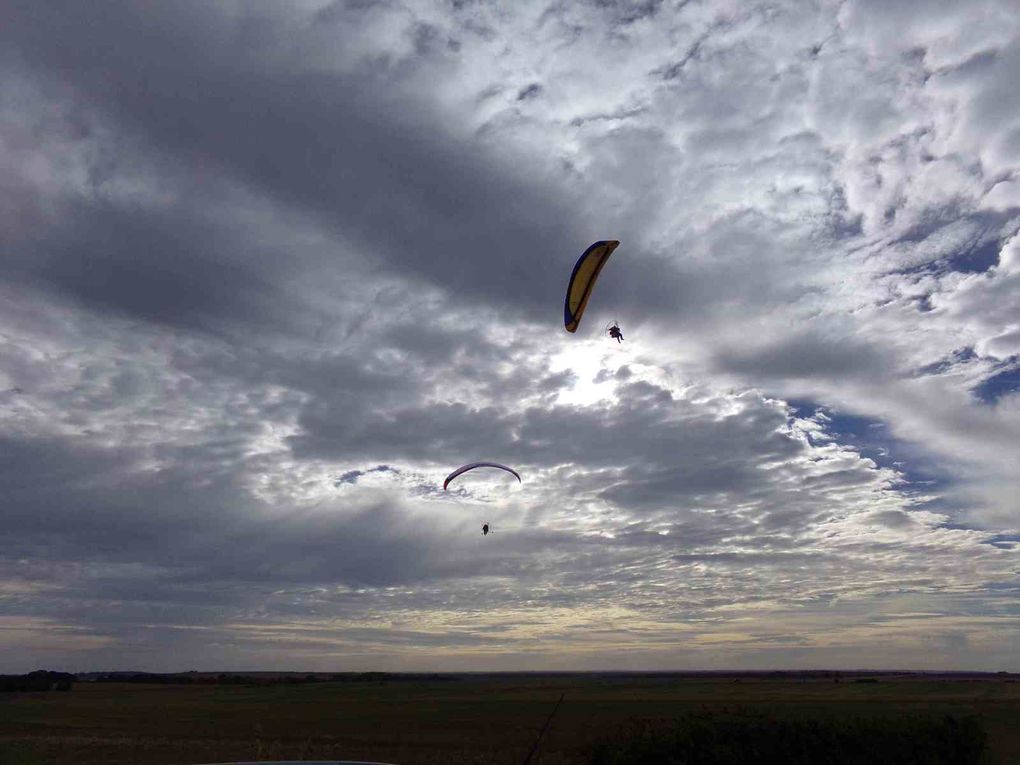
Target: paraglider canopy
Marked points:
473	465
582	281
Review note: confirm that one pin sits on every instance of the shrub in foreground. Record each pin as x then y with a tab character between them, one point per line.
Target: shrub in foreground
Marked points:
721	738
40	680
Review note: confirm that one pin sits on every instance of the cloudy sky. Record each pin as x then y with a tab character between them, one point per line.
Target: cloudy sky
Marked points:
268	271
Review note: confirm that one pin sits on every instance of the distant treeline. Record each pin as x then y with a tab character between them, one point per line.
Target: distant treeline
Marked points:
157	678
254	678
725	737
300	678
40	680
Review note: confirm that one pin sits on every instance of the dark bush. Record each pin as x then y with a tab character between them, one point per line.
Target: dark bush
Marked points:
721	738
40	680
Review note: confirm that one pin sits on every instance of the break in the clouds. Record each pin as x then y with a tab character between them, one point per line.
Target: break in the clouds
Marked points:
270	272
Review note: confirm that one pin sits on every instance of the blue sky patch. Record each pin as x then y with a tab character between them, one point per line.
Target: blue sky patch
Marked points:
871	438
976	256
979	258
946	363
1005	541
1006	381
352	476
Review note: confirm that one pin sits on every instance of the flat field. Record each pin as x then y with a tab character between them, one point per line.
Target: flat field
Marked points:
450	719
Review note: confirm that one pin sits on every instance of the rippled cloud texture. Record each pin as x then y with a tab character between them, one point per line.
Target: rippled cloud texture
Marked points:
270	271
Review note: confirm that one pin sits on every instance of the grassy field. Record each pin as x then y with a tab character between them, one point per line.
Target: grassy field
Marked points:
461	719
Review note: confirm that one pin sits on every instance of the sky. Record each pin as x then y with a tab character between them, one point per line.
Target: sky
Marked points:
269	271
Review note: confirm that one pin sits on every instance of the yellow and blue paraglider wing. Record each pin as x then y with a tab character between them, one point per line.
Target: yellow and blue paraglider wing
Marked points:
582	281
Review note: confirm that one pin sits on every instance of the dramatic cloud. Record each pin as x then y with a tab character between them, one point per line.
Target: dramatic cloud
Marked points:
270	272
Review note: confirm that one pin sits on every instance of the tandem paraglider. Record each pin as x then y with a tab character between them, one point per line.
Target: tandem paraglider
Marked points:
582	281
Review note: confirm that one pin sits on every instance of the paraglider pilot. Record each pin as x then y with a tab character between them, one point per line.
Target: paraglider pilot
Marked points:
485	529
615	332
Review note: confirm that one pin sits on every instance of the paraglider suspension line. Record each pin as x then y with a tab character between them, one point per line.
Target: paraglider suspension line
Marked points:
534	747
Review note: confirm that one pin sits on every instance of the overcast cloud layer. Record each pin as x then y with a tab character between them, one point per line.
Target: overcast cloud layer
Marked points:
269	271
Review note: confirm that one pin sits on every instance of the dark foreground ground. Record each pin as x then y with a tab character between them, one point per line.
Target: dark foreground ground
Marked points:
471	719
